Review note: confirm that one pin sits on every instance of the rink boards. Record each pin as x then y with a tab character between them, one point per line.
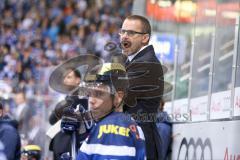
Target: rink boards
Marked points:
206	141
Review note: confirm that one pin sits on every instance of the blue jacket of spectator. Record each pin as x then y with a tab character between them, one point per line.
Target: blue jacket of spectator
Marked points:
164	127
10	138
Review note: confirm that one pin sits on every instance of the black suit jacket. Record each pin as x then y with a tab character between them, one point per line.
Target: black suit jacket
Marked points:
145	63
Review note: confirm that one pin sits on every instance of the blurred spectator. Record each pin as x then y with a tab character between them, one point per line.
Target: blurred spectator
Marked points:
9	135
164	127
90	38
23	112
4	50
101	38
36	134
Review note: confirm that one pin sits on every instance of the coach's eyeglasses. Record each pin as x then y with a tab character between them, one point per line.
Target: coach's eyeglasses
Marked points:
130	33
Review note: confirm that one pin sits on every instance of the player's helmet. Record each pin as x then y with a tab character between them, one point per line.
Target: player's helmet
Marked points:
32	152
113	75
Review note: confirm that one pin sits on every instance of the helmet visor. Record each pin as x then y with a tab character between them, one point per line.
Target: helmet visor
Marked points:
96	90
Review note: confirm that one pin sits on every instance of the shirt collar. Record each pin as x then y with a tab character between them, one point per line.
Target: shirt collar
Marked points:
130	58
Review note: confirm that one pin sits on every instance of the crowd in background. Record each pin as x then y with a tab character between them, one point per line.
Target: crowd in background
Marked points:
37	35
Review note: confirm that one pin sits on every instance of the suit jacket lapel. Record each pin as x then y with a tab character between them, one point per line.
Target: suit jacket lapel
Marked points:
143	52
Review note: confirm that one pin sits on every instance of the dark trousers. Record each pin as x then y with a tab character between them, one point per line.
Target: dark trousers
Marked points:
148	124
151	140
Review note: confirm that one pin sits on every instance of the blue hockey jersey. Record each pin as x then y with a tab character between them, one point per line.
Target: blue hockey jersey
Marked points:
116	136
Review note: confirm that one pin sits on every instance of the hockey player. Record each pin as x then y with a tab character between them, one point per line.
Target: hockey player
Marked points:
115	135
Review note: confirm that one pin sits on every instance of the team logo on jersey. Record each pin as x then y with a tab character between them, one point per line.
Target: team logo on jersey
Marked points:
113	129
